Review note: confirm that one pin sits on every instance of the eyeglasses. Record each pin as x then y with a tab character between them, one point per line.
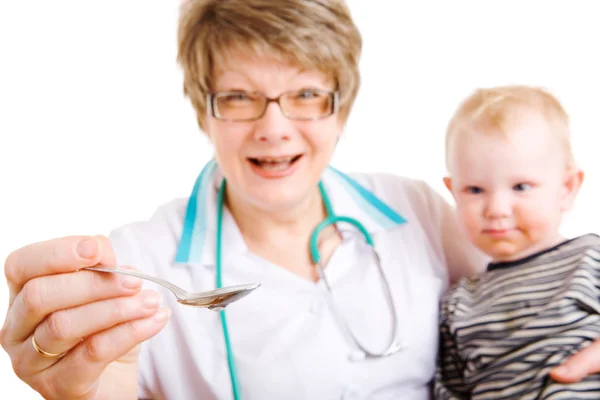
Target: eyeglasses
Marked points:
306	105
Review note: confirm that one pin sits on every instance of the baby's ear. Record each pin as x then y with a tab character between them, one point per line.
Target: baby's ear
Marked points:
448	183
571	185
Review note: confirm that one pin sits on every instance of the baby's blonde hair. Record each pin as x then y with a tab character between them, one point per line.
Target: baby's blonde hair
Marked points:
317	34
495	110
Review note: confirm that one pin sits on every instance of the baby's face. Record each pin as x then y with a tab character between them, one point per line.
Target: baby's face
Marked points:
510	191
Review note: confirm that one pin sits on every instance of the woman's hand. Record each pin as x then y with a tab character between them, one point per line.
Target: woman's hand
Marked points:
582	364
91	323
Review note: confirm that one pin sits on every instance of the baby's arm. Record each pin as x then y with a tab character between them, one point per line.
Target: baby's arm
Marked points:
449	381
585	362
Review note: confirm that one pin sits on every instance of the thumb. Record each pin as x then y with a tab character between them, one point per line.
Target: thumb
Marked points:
583	363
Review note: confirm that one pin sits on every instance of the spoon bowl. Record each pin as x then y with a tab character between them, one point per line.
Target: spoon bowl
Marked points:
215	300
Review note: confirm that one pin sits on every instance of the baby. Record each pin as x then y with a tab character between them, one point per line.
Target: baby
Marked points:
512	175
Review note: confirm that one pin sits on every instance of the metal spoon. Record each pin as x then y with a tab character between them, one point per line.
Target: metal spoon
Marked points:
215	300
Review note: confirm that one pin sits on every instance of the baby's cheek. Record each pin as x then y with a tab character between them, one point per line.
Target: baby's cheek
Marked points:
536	222
470	223
468	214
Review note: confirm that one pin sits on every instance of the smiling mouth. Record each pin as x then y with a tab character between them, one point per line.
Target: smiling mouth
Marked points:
275	163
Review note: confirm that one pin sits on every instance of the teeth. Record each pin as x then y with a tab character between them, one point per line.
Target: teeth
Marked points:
274	166
275	160
274	163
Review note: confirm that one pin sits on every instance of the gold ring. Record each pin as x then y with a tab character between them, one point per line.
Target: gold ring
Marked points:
42	352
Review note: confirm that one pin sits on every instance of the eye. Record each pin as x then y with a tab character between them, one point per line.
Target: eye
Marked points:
234	97
473	189
521	187
307	94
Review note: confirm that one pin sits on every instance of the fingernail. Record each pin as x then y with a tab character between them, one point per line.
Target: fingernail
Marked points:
87	248
130	282
151	300
162	314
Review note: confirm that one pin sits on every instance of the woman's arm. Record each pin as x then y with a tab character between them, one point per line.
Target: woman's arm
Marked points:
461	257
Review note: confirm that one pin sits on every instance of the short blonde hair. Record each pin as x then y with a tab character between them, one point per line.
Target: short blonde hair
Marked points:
495	109
317	34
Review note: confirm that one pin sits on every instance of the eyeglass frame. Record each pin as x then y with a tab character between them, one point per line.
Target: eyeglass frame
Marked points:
210	98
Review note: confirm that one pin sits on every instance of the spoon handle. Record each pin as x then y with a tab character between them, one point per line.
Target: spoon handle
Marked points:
177	291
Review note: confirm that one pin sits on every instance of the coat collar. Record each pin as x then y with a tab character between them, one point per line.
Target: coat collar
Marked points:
198	239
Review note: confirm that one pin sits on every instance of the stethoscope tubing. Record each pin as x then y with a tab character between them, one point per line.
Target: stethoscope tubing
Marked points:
331	219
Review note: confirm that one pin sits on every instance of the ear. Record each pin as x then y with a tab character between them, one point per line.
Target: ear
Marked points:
448	183
571	185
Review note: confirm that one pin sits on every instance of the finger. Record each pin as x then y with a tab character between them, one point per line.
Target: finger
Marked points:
65	329
45	295
583	363
86	362
55	256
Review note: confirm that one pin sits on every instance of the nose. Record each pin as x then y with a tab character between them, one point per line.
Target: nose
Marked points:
498	205
273	127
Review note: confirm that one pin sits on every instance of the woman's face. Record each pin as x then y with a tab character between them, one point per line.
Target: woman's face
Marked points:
274	162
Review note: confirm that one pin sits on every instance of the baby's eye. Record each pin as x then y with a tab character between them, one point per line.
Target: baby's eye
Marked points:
521	187
474	189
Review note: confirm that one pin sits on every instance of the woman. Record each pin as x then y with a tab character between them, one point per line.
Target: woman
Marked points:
272	84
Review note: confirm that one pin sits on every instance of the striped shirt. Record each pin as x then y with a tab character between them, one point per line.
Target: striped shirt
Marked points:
502	331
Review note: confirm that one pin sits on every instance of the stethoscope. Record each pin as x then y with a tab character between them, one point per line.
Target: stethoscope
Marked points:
331	219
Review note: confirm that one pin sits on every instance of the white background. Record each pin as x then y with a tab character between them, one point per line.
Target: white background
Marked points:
95	132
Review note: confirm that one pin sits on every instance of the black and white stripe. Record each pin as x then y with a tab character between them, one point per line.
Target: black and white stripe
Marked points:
501	332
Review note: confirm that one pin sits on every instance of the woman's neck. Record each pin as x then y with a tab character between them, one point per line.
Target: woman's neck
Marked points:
283	237
259	225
